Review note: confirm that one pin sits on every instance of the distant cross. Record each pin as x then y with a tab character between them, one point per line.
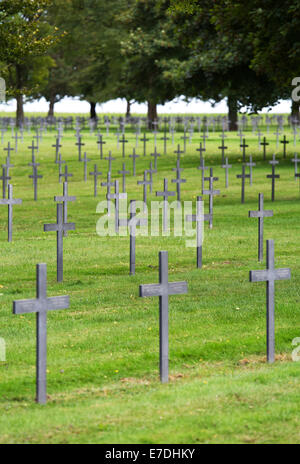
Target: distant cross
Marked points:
223	148
202	168
96	174
60	162
285	142
277	133
5	178
17	137
163	290
145	184
57	146
296	160
155	156
273	176
79	144
66	174
10	202
226	166
260	214
9	149
165	194
85	161
144	140
124	173
178	152
41	306
117	196
109	158
60	227
243	176
37	137
165	139
244	146
100	142
132	223
123	141
211	192
108	184
151	171
270	275
64	199
35	176
184	138
134	156
265	144
201	150
199	219
204	137
33	148
178	181
250	165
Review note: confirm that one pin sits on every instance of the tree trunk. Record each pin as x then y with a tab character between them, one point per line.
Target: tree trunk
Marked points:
232	113
20	111
128	108
93	114
152	114
295	112
51	107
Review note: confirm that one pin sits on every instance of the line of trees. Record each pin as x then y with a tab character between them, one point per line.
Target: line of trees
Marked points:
150	51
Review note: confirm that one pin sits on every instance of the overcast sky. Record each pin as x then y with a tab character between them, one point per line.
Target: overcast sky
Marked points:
69	105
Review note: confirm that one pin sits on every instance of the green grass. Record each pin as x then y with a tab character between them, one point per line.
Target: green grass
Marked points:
103	381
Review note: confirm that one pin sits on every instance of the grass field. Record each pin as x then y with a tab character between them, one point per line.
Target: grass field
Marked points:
103	381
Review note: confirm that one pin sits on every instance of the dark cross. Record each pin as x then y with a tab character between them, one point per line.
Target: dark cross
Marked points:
10	202
202	150
273	176
199	218
60	162
270	275
184	138
284	142
124	173
243	176
65	198
165	139
134	157
79	144
100	142
144	140
60	227
96	174
41	306
226	166
108	185
5	178
178	152
33	148
66	174
250	165
57	146
165	194
155	156
202	168
85	161
123	141
260	214
151	171
178	181
145	184
223	148
9	149
265	144
109	159
117	196
244	146
132	223
296	160
35	176
211	192
33	162
163	290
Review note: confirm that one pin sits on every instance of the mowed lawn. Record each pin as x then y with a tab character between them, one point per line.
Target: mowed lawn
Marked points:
103	379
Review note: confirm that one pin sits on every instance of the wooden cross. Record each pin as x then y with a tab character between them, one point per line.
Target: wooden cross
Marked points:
60	227
100	142
41	306
223	148
10	202
199	219
134	157
117	196
285	142
109	158
244	146
9	149
85	161
165	194
96	174
57	146
178	181
243	176
124	173
79	144
273	176
66	174
260	214
60	162
265	144
65	198
5	178
163	290
202	168
211	192
144	140
108	185
35	176
270	275
132	223
250	165
145	184
226	166
123	141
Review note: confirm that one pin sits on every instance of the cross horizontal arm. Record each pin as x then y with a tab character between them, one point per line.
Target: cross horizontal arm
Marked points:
270	274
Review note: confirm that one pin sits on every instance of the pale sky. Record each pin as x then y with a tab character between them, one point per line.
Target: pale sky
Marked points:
70	105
